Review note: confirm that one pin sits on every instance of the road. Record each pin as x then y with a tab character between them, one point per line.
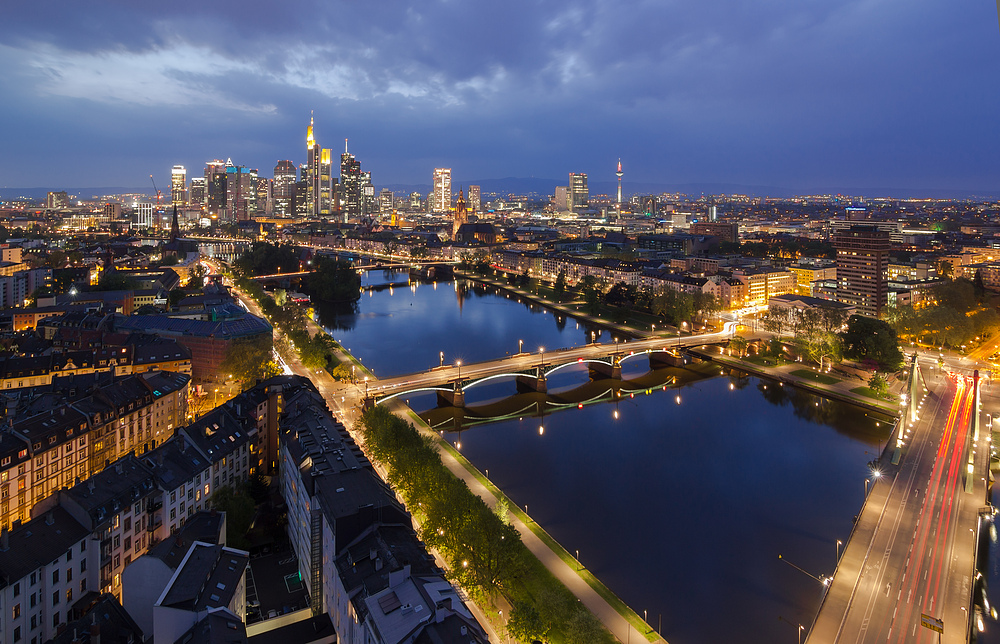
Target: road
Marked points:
912	551
524	361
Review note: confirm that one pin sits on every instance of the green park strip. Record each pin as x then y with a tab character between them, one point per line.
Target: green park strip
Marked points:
868	393
616	603
484	553
806	374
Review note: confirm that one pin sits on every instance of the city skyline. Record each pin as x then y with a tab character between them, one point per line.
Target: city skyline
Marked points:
860	97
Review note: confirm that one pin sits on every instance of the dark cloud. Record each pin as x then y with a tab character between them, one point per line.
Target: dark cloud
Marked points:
797	93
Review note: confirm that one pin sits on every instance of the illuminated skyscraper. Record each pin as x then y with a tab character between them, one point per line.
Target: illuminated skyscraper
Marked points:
350	185
442	190
283	190
198	192
475	204
318	177
178	185
863	268
385	198
579	195
215	185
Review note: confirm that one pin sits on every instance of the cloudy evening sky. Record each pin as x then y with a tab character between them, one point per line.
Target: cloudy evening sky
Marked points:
862	95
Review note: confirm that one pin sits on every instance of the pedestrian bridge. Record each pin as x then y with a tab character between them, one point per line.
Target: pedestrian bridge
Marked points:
450	385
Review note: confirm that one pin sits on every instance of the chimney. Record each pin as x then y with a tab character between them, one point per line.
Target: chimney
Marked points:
95	632
90	484
4	539
50	518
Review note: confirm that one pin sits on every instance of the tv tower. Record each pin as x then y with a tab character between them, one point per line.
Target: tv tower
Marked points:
619	175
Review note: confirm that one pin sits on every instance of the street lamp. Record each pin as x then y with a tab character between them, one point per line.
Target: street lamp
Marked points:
520	344
593	337
542	351
839	543
441	357
366	386
459	364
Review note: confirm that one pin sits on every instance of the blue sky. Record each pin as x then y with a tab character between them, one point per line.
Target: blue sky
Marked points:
851	95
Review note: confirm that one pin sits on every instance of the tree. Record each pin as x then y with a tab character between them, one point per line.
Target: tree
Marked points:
249	360
112	280
525	624
591	292
945	269
56	259
239	509
738	344
879	385
175	296
871	339
560	285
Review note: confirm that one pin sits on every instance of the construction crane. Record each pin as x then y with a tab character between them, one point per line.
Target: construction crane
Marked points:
159	199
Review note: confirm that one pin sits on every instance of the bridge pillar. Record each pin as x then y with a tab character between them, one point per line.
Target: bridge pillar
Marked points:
532	383
454	398
665	359
599	370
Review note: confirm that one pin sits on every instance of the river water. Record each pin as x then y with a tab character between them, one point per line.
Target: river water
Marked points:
680	493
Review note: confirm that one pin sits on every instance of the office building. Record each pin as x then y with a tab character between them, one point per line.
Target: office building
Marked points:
579	195
385	197
241	193
57	200
198	192
863	268
475	199
725	231
178	185
215	185
283	189
319	183
264	201
349	194
442	190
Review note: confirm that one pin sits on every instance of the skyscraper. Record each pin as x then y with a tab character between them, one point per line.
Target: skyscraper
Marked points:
198	192
283	190
579	195
318	174
442	189
385	198
178	185
475	203
241	192
215	185
863	268
350	185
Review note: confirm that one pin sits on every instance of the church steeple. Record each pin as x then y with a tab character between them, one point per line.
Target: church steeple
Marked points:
175	228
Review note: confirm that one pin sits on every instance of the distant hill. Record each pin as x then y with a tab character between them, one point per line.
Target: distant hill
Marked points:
82	193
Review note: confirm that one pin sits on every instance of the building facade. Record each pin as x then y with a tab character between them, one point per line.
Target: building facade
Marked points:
863	268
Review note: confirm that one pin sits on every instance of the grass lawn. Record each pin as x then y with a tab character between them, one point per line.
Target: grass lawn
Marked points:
816	377
866	391
763	361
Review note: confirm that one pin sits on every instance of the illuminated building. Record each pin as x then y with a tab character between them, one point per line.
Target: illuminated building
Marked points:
385	201
579	195
475	200
442	190
350	185
461	215
198	192
215	185
241	193
863	268
178	185
283	190
318	168
619	174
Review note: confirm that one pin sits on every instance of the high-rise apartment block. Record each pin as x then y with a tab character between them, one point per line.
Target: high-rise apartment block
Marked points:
385	198
178	185
863	268
442	190
579	195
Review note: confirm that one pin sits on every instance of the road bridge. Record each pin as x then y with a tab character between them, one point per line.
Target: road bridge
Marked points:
909	567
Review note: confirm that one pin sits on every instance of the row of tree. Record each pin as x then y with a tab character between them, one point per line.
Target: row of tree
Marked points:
484	552
957	315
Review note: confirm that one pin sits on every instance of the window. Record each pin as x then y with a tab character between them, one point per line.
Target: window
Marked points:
83	585
128	542
55	619
55	598
34	622
69	595
17	589
128	523
69	574
55	576
17	633
83	547
31	600
118	562
118	541
17	611
34	578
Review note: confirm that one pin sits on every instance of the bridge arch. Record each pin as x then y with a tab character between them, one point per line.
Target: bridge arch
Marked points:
606	363
408	392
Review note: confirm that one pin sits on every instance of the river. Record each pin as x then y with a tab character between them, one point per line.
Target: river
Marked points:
679	499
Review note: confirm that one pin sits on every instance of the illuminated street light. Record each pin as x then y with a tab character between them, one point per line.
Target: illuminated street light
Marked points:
520	344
